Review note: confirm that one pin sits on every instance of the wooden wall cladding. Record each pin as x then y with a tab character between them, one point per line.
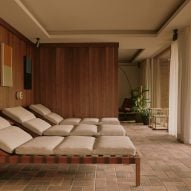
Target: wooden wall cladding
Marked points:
78	80
21	47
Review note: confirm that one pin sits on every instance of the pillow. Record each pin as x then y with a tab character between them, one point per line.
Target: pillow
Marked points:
40	109
37	125
4	123
12	137
43	145
19	114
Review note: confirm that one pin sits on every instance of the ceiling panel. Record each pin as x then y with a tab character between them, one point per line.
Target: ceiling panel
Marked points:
68	15
132	23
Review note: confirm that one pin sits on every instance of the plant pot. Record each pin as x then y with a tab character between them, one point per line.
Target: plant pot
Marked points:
145	120
138	118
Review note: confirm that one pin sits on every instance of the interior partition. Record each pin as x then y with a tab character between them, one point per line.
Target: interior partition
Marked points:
21	47
78	79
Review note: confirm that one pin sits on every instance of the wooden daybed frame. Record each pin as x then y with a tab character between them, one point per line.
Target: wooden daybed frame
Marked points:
64	159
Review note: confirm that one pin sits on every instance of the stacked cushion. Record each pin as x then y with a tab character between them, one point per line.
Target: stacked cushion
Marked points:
43	145
76	145
11	137
46	113
4	123
40	109
112	130
109	120
54	118
85	130
92	121
71	121
37	125
19	114
114	145
60	130
14	139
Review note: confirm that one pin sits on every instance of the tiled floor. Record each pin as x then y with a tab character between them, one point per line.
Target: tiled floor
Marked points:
166	166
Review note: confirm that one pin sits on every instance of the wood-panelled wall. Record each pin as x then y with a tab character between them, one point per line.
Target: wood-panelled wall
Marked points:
78	80
21	47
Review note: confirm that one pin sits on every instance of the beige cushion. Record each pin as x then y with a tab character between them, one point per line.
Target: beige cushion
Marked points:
54	118
4	123
114	145
112	130
40	145
12	137
70	121
93	121
76	145
109	120
19	114
85	130
40	109
61	130
37	125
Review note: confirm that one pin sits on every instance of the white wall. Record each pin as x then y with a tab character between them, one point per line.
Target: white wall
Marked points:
132	72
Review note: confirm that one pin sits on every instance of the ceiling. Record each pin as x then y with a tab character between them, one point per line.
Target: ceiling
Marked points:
143	28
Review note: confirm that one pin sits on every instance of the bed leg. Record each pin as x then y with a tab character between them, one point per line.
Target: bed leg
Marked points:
138	171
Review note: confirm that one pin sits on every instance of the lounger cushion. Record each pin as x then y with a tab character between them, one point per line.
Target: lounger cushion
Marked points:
37	125
112	130
70	121
109	120
85	130
76	145
19	114
11	137
4	123
61	130
93	121
114	145
54	118
40	109
40	145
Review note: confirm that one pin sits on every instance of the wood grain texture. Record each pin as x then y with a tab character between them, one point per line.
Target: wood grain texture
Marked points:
21	47
78	80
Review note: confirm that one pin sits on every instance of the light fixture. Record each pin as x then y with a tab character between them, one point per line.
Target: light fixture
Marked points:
37	42
175	35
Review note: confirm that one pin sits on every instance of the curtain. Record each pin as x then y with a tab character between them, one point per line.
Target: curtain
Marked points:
146	77
155	83
173	89
184	85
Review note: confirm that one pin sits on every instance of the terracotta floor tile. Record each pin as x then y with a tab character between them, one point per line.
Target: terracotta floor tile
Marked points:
165	166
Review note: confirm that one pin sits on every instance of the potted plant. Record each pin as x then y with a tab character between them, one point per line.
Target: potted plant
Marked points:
140	104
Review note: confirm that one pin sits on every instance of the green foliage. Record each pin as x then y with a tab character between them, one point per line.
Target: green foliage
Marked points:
139	101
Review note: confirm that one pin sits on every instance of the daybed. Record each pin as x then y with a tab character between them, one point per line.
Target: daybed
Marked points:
17	146
51	117
37	126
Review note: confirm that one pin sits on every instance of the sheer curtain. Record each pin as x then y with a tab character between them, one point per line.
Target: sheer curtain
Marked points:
184	85
146	77
155	83
173	89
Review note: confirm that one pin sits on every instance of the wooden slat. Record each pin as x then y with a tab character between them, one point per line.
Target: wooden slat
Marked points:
21	47
79	80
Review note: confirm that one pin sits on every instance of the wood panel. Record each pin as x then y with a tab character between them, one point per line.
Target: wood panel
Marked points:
21	47
78	80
